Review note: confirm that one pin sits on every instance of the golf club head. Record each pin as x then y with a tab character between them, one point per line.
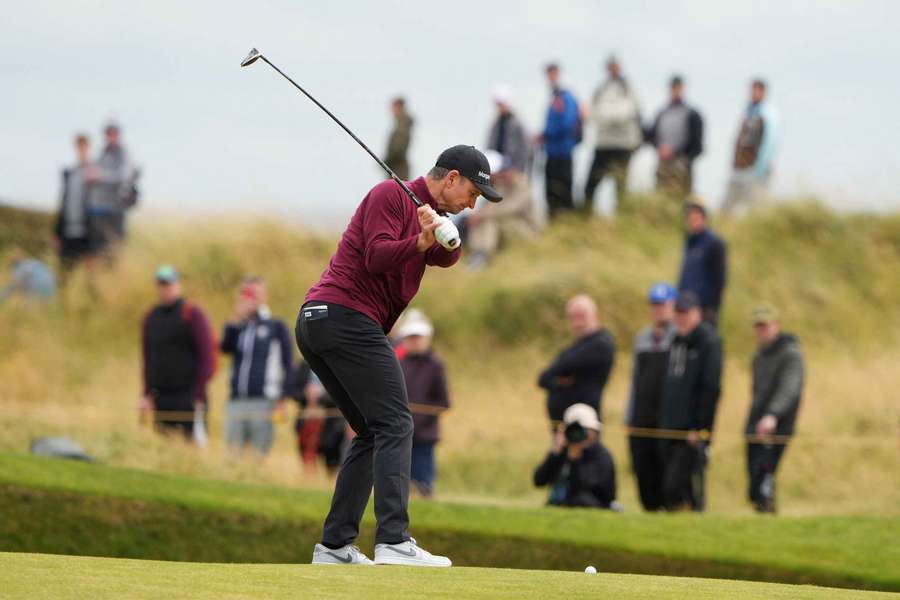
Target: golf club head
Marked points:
251	57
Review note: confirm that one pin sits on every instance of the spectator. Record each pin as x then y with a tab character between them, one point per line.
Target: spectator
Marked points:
562	132
426	384
616	114
753	152
179	357
399	140
579	469
29	277
514	217
115	189
72	230
704	268
690	397
778	374
651	358
317	434
677	135
261	348
580	372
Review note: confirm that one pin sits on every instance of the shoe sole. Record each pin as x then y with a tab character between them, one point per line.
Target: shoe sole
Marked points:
407	562
338	563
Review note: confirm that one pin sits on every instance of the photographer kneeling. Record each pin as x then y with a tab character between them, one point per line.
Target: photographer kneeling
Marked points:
579	470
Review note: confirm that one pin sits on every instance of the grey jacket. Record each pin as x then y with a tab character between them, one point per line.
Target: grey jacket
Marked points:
116	178
514	146
778	375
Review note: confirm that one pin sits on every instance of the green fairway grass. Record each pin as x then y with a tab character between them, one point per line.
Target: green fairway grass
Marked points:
62	577
65	507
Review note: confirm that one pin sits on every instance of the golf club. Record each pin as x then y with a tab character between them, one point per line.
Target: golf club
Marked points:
446	233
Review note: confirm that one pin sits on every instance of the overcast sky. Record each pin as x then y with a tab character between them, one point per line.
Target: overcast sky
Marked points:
212	137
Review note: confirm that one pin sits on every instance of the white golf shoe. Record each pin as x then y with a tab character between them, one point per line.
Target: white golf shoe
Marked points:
408	554
348	555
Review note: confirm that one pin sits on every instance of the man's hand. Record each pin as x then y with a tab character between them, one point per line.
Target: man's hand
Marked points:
693	437
429	221
447	235
559	440
767	425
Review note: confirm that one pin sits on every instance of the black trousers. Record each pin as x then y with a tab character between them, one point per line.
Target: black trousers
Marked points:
558	182
647	463
174	411
359	368
607	161
684	475
762	462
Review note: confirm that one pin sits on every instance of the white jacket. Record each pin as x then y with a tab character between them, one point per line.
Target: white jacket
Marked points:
616	115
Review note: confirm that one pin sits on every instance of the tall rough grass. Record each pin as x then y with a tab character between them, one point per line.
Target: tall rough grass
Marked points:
71	366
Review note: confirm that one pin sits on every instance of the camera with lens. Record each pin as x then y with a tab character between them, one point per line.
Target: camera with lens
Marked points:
575	433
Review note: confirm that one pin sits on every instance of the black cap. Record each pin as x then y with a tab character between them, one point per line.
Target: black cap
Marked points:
471	164
686	301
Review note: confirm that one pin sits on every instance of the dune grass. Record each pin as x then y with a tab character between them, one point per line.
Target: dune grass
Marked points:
71	367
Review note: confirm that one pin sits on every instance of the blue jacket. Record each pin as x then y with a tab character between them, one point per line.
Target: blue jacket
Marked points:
704	269
561	131
262	351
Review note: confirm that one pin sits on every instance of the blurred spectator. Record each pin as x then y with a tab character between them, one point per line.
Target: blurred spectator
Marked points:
778	374
72	230
753	152
562	132
704	268
514	217
616	114
28	277
262	353
399	140
690	397
580	372
426	385
321	434
179	357
114	180
651	359
579	469
677	135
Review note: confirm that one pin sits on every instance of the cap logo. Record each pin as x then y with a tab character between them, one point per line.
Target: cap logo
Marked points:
484	175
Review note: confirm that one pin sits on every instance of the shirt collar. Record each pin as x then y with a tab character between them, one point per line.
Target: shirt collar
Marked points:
420	189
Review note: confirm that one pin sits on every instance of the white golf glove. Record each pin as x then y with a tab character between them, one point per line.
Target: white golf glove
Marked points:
447	235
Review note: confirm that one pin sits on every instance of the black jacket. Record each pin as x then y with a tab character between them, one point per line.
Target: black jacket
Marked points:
589	481
704	268
651	361
693	380
589	362
778	375
426	386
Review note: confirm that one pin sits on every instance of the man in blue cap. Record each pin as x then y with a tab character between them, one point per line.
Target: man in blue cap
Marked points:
651	356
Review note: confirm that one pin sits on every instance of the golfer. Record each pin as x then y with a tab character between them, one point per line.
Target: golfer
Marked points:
372	277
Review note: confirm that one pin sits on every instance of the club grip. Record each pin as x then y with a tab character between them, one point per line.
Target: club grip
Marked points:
447	235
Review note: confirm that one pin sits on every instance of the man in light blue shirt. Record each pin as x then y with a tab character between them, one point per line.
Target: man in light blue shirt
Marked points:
753	153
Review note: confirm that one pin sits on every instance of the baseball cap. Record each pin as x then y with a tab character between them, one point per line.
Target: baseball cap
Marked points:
471	164
765	314
584	415
416	327
502	94
686	301
166	274
695	202
661	292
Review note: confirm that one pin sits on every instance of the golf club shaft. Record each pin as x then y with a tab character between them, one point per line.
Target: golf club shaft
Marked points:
387	169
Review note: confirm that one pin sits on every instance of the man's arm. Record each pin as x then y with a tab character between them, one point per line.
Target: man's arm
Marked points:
204	345
789	386
438	256
440	391
548	471
145	354
383	223
590	359
287	351
695	135
711	386
230	335
718	270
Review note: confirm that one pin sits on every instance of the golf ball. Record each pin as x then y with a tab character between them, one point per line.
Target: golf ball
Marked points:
590	570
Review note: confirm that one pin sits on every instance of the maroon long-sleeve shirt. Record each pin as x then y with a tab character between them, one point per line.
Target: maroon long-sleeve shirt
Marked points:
377	269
